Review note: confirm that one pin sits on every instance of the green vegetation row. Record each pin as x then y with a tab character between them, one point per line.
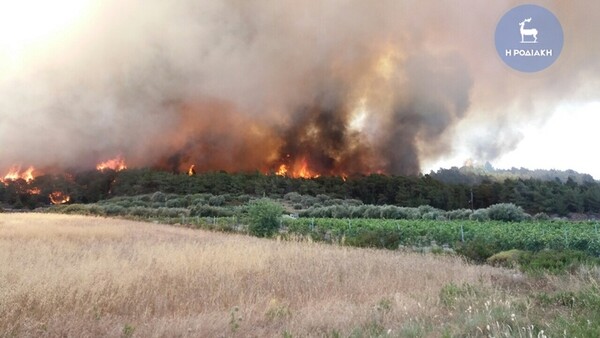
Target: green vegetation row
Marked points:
476	239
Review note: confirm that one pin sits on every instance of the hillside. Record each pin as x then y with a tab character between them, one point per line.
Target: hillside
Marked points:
475	174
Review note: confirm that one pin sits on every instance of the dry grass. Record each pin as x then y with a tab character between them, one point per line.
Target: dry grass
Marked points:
80	276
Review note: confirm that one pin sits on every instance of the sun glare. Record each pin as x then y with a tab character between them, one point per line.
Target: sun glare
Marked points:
25	23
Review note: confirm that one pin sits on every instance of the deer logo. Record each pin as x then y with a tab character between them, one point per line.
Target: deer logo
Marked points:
527	32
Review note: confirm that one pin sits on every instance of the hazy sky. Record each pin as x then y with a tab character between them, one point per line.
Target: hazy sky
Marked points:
414	84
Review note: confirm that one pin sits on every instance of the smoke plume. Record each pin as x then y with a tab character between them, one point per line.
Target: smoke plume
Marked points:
341	86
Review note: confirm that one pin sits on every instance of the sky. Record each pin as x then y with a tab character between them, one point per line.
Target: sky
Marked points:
566	140
398	86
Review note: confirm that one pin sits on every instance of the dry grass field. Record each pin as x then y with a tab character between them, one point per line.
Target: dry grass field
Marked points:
76	276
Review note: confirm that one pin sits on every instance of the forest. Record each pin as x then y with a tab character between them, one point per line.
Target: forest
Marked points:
556	196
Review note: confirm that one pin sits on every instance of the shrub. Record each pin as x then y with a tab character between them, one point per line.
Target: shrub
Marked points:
390	212
175	203
554	261
541	216
322	198
114	210
335	201
340	211
158	197
477	249
507	259
264	217
209	211
358	211
142	212
293	197
353	202
372	211
309	201
80	209
480	215
216	200
433	215
409	213
459	214
506	212
423	209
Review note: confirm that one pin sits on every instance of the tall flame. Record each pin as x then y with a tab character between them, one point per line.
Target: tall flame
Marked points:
298	169
282	171
192	171
301	170
15	173
116	164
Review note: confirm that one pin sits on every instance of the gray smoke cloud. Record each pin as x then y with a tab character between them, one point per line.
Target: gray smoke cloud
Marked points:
245	85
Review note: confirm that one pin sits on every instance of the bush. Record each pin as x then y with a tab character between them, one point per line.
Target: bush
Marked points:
477	249
176	203
372	211
459	214
158	197
142	212
555	261
358	211
507	259
541	216
433	215
322	198
340	211
390	212
409	213
293	197
114	210
209	211
480	215
309	201
264	217
506	212
172	212
216	201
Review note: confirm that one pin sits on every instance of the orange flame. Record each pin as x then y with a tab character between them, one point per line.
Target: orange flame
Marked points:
15	173
34	191
59	197
298	170
192	171
282	171
116	164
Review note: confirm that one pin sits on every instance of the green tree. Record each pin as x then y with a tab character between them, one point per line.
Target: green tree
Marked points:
264	217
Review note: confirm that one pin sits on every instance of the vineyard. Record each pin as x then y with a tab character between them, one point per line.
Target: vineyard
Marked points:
475	239
498	236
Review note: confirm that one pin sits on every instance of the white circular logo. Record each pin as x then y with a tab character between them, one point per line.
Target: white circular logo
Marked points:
529	38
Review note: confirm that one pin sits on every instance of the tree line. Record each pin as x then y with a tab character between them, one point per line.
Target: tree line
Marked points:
554	197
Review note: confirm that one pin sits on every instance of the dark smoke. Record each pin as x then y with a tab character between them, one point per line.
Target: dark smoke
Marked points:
240	85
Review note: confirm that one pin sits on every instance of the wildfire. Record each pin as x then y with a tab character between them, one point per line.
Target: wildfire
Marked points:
15	173
298	170
34	191
282	171
59	197
192	171
116	164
